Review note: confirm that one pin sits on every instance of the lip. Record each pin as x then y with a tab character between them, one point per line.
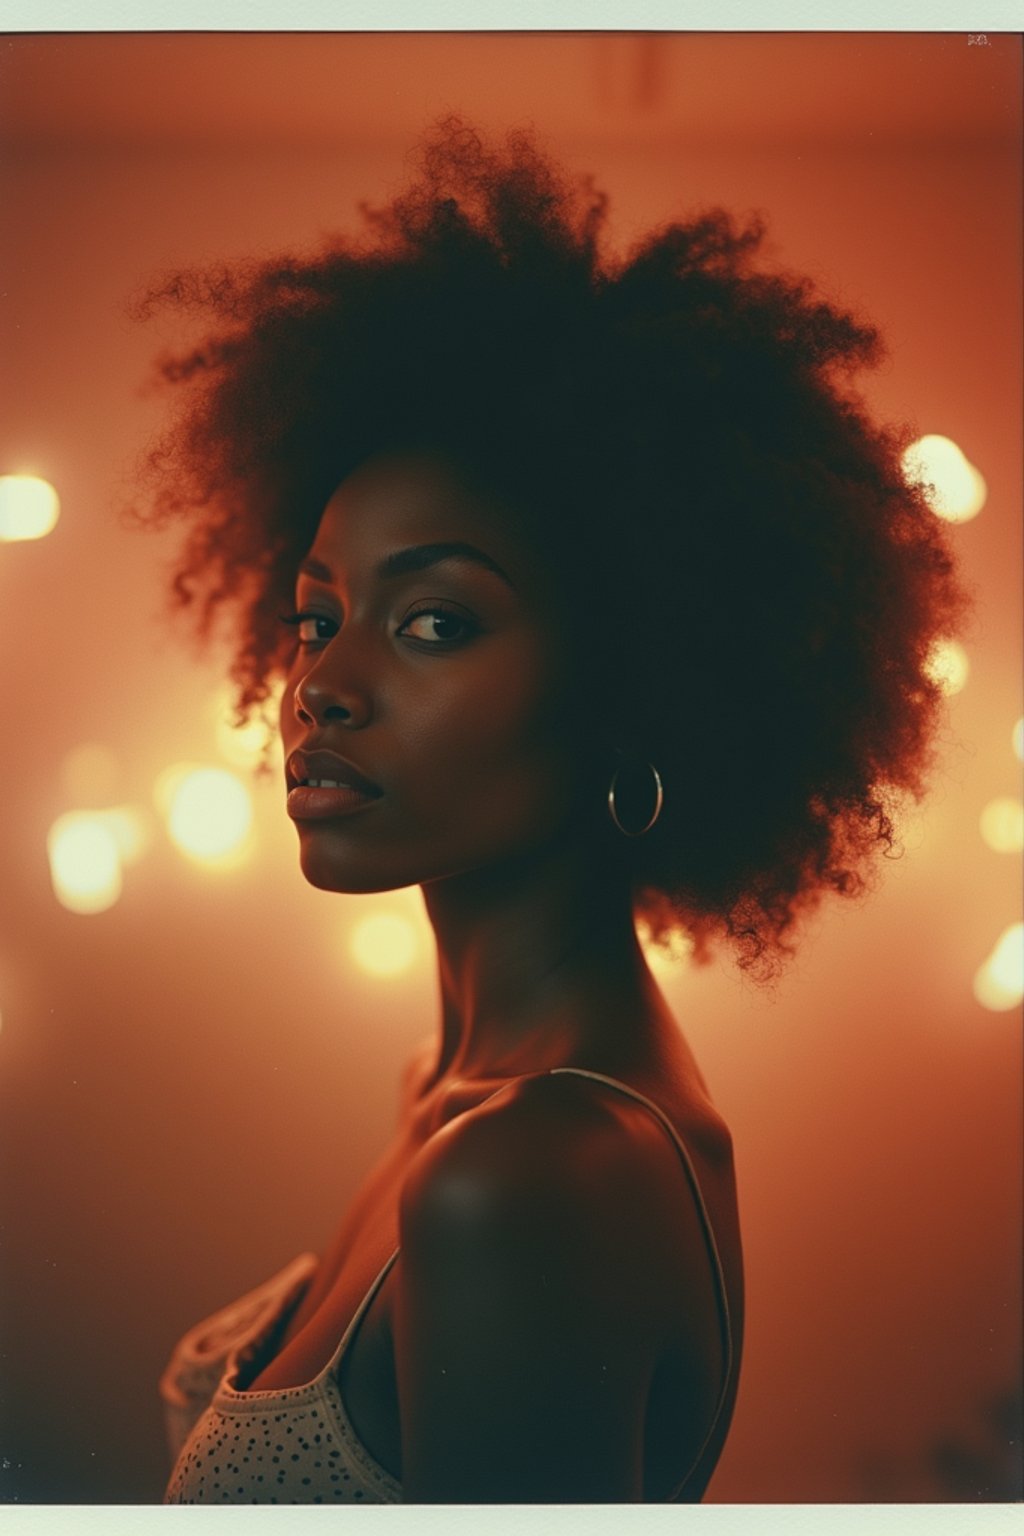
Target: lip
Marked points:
320	763
306	803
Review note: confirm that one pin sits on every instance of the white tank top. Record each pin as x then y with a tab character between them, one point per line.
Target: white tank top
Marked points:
296	1445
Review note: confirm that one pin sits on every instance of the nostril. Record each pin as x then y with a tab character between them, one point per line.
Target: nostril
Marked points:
337	712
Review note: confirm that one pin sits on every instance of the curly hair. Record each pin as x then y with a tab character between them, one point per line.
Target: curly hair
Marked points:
680	429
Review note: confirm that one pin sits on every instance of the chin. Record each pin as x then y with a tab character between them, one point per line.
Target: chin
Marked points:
347	882
331	871
328	870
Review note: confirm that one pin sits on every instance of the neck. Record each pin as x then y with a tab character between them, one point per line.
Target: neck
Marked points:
538	964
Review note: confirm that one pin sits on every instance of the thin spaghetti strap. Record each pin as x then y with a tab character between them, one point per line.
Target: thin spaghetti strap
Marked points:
709	1235
364	1306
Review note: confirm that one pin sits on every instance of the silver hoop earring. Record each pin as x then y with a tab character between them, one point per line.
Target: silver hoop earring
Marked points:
659	800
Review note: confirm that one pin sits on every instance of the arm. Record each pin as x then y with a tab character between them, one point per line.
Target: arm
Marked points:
534	1295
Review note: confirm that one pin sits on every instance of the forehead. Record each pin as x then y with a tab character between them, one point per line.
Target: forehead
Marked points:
399	500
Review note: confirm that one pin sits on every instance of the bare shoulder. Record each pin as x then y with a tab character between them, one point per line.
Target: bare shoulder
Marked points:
540	1141
542	1254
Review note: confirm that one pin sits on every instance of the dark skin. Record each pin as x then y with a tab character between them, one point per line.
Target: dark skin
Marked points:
549	1330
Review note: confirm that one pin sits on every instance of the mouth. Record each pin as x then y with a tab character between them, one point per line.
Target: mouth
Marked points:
323	770
323	786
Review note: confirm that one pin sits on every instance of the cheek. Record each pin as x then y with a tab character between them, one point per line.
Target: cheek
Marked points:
500	748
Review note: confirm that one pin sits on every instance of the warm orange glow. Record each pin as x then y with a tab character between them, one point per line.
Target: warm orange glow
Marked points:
85	866
958	490
167	784
29	507
384	944
866	1090
999	982
948	665
661	961
130	827
209	813
1002	825
246	746
1008	959
89	774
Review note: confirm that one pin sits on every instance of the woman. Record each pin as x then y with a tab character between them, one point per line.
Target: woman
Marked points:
597	596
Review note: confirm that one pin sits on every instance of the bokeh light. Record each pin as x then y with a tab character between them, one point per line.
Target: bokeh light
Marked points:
255	742
663	962
29	507
130	828
999	982
167	784
958	490
85	865
209	813
384	944
1002	825
948	665
1018	738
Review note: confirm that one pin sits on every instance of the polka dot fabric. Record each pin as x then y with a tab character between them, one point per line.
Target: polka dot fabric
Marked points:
292	1446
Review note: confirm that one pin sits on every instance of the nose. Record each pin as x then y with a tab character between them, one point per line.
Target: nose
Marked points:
327	692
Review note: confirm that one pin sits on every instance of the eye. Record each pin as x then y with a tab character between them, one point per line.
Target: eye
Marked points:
311	627
439	626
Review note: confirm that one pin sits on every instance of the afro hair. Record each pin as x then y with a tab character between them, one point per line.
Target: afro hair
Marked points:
679	427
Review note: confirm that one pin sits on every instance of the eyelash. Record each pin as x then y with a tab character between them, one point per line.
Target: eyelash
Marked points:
436	610
295	619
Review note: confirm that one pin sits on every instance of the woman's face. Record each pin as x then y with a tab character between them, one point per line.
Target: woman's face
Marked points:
431	659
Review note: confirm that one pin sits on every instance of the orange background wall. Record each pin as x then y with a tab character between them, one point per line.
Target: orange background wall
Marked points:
192	1082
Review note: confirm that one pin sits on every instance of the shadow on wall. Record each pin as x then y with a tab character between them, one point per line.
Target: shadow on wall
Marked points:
984	1465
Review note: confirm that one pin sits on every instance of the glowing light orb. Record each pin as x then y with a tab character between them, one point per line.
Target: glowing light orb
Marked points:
384	944
999	982
258	740
1008	959
130	829
662	961
958	490
167	784
1002	825
1018	738
29	507
85	866
209	813
948	665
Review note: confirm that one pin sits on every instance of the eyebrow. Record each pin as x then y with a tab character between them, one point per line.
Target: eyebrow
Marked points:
417	558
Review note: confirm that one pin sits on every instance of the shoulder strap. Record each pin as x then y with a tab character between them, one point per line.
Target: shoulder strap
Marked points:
716	1262
334	1364
709	1236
